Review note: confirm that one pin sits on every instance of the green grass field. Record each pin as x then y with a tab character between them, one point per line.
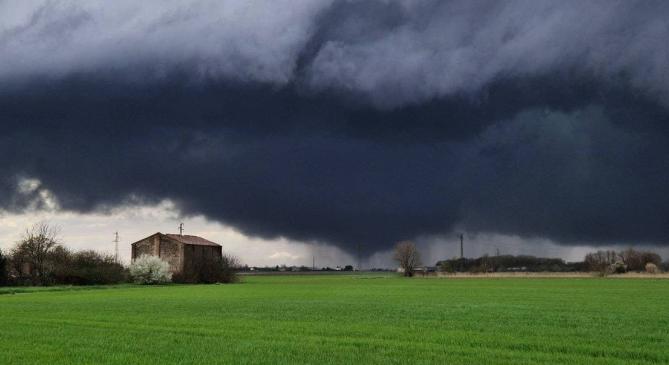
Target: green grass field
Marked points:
343	320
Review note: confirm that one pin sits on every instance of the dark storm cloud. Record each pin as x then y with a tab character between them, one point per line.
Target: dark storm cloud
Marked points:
346	122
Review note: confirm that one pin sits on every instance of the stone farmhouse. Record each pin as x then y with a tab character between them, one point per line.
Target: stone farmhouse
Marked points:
183	252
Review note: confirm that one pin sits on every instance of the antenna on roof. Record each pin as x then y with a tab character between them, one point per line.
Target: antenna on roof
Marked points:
181	229
116	247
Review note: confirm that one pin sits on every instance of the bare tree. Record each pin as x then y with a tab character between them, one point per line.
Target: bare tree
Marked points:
34	248
601	261
632	259
408	257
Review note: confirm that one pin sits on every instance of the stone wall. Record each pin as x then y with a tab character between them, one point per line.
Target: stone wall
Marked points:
171	252
147	246
194	255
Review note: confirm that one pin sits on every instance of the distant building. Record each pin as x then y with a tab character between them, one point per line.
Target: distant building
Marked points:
182	252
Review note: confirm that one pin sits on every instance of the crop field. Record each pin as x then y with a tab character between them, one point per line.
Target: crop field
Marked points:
343	319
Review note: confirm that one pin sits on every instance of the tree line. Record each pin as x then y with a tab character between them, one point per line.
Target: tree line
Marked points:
606	262
40	258
509	263
603	262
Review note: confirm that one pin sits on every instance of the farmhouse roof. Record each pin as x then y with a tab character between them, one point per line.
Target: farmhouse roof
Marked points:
185	239
191	240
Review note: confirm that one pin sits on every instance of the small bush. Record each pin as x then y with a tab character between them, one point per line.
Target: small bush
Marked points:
148	269
651	268
212	270
229	266
602	273
87	268
619	268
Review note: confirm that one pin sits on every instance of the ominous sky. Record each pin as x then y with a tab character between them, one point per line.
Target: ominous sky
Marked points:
344	122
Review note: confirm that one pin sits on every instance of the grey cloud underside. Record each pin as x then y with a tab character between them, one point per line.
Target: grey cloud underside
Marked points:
348	122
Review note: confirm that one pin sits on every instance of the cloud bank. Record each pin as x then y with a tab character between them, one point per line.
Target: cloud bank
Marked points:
346	122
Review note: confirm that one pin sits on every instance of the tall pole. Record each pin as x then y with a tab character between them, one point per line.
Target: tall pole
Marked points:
181	229
313	263
116	247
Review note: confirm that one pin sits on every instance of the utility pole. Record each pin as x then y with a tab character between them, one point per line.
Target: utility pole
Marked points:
116	247
181	229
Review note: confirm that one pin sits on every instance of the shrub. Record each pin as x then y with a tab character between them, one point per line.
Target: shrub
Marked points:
651	268
619	268
87	268
212	270
229	266
148	269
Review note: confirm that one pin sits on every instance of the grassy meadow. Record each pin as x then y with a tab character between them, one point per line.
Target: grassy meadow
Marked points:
343	319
